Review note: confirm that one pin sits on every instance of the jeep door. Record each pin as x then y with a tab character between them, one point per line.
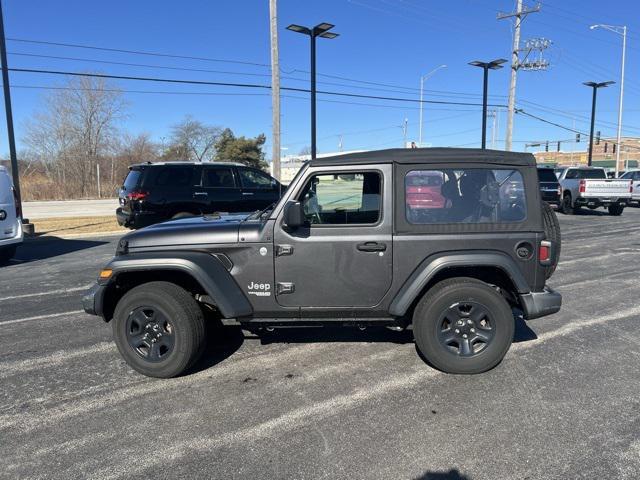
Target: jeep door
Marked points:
259	190
219	191
342	256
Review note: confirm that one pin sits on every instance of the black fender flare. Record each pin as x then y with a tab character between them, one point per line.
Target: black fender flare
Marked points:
204	268
433	264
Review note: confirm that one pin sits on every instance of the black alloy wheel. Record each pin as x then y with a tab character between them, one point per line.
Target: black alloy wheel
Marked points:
150	334
466	328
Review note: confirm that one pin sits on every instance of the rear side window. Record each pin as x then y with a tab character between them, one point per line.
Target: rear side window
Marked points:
132	180
546	175
585	174
475	195
255	179
218	177
174	177
342	199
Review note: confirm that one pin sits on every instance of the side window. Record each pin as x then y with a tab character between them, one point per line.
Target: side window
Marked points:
255	179
174	177
342	198
475	195
218	177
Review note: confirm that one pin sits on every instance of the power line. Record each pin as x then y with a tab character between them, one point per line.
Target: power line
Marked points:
240	85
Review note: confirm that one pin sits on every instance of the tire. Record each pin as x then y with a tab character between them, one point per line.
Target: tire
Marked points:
566	207
615	210
180	326
552	232
446	303
7	253
180	215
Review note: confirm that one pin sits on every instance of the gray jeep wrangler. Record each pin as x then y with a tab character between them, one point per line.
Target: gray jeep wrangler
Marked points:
454	243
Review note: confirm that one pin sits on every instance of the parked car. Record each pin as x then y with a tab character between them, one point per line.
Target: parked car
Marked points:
155	192
550	189
11	234
424	192
590	187
634	177
340	249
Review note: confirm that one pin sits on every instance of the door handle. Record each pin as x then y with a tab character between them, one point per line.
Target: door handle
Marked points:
200	194
247	193
372	247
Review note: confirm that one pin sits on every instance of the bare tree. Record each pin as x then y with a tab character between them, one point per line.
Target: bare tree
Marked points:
192	140
76	128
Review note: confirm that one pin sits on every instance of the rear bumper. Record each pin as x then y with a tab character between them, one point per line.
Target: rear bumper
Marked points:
540	304
136	219
17	236
93	299
601	201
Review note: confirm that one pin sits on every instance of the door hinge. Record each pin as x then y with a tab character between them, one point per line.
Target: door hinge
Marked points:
285	287
282	250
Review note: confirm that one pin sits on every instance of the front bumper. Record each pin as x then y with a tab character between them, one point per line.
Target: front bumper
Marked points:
93	300
540	304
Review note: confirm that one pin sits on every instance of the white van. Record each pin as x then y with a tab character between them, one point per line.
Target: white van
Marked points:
10	221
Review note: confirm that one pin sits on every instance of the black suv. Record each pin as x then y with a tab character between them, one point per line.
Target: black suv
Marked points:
351	242
550	189
155	192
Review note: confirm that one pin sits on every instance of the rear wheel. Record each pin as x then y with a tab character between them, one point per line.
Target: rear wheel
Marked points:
615	210
552	233
159	329
7	253
566	206
463	325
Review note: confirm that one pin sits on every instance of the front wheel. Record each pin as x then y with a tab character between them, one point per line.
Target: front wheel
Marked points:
159	329
463	325
615	210
566	206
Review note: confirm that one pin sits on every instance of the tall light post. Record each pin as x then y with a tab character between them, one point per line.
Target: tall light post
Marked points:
422	79
595	86
620	30
486	66
320	30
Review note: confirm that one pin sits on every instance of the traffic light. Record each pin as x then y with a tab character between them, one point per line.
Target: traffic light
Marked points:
577	138
606	145
546	146
598	137
558	146
614	148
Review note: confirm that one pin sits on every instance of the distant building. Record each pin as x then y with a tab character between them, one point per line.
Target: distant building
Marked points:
603	154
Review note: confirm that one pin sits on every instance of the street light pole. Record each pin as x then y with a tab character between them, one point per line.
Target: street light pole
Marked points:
595	86
320	30
422	79
620	30
486	66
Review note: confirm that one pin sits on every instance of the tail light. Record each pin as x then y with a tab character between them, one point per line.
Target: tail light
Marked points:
631	186
582	186
559	190
137	195
544	252
18	204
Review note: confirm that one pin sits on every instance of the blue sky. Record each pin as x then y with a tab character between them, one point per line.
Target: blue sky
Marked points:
383	41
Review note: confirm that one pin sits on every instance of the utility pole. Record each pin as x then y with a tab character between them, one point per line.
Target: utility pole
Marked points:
519	15
595	86
620	30
275	88
8	111
422	79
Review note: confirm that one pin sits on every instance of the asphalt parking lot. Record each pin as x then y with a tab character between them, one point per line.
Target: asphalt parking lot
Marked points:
325	403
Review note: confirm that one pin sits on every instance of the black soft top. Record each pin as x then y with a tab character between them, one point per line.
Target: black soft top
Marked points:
429	155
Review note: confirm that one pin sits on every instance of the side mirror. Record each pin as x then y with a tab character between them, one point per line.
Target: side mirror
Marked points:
294	214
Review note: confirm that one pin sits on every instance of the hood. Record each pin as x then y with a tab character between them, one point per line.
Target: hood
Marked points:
187	231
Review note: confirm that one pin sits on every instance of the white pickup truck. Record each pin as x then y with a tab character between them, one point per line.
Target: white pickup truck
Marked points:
590	187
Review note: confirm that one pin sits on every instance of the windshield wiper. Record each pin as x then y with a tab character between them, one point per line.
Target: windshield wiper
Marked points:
260	213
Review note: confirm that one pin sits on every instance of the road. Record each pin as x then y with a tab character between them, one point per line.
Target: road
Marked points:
564	404
70	208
